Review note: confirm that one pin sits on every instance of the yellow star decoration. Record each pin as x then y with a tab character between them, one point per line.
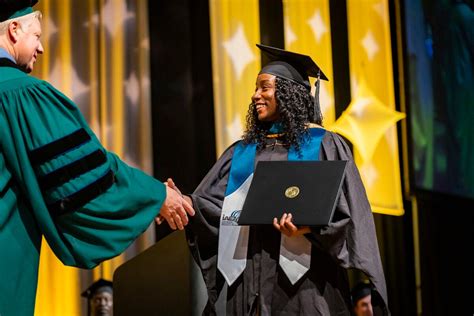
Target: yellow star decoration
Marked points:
365	121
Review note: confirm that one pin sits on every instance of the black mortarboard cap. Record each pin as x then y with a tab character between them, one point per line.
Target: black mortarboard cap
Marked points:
295	67
15	8
289	65
101	284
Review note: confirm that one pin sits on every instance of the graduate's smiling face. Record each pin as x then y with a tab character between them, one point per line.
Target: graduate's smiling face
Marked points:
264	98
27	44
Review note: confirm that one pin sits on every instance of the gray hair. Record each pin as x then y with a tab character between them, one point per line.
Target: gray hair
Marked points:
24	21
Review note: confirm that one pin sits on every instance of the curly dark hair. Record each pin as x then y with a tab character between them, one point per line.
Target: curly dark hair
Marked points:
296	109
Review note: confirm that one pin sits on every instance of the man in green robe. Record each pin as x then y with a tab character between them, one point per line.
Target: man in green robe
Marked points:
56	180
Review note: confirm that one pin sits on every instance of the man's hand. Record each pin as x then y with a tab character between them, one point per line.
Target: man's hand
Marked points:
169	182
175	209
285	226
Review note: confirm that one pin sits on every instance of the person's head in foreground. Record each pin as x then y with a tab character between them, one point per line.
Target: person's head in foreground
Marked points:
99	298
362	294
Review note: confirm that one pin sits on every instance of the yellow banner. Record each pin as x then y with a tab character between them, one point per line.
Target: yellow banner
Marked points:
308	31
56	282
370	120
235	30
104	90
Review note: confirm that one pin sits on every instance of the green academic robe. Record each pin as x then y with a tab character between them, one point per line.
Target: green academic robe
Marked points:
57	181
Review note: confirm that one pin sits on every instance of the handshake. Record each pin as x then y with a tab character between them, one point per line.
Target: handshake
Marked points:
175	208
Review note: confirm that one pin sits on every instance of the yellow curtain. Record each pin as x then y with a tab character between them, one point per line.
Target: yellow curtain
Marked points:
308	31
369	122
96	52
235	64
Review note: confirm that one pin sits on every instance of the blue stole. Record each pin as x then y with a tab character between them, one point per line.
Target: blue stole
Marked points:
233	239
243	159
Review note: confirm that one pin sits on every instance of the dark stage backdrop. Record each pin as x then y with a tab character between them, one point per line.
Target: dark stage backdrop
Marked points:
183	129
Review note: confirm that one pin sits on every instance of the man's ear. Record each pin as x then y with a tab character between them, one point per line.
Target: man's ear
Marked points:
13	31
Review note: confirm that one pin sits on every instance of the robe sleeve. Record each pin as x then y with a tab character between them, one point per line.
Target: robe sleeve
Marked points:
203	229
87	203
351	238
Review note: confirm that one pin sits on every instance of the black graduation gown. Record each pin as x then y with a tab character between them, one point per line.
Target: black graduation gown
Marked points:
263	288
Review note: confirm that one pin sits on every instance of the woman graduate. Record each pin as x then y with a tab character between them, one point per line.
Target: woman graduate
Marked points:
253	268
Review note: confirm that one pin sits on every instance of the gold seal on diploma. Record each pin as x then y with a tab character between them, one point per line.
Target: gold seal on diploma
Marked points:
292	192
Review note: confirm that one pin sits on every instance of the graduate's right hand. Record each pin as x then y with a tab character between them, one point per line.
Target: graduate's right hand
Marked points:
175	209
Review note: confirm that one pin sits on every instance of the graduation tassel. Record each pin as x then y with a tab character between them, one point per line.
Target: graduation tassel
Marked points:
317	117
